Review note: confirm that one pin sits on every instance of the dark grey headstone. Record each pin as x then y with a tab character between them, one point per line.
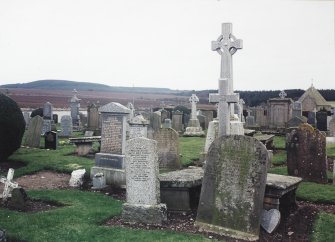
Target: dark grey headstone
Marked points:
109	160
233	187
55	118
18	201
312	118
50	140
321	121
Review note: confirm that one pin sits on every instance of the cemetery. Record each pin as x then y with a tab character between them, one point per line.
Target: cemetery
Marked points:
123	171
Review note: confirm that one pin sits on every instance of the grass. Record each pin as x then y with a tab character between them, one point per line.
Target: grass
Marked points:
279	142
191	147
318	193
279	157
331	150
323	229
81	219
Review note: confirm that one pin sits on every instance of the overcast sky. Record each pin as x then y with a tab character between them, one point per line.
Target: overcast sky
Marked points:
156	43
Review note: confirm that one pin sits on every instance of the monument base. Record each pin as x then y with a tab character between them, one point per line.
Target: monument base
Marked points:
231	233
115	177
194	128
236	128
148	214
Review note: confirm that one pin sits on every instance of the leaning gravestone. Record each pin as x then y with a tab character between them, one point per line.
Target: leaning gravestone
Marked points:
143	188
233	187
34	131
168	148
66	125
306	154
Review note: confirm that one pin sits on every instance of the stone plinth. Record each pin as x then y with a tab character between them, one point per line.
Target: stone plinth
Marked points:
194	128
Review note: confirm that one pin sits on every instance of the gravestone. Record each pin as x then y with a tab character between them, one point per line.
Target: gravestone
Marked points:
110	159
9	185
332	127
131	115
164	115
193	127
168	148
312	118
321	121
208	117
155	120
212	134
306	154
296	121
202	121
26	116
74	109
233	187
55	118
46	126
34	131
143	188
279	111
226	45
167	123
47	111
296	109
18	200
250	121
93	117
186	119
138	127
51	140
88	133
66	126
177	121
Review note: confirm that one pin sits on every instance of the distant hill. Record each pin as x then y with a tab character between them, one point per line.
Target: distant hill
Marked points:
84	86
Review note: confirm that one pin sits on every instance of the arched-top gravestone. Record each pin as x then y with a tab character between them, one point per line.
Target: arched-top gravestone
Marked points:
233	187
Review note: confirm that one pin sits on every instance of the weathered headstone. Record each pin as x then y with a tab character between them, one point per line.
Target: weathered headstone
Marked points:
226	45
212	134
164	115
202	121
270	220
233	187
66	126
47	111
110	159
168	148
138	127
306	154
34	131
332	127
279	111
55	118
18	200
88	133
93	117
26	116
155	120
74	109
193	127
296	109
9	184
177	121
51	140
250	121
46	126
167	123
321	121
143	188
312	118
77	178
296	121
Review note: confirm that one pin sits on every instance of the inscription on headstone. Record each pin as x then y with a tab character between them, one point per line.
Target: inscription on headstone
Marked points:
111	136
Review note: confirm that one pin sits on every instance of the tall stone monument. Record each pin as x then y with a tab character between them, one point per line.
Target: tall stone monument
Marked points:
279	111
74	108
233	187
110	159
143	187
226	45
47	111
193	127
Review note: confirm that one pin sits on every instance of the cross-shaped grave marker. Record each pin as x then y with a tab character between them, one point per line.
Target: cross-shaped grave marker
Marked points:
194	100
282	94
226	45
9	184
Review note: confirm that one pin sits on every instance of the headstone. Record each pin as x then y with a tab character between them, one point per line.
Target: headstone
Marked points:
138	127
321	121
202	121
74	109
296	109
193	128
66	126
312	118
250	121
296	121
143	188
93	117
168	148
9	185
279	111
306	154
26	116
226	45
177	121
167	123
99	181
110	159
233	187
164	115
19	198
212	134
77	178
46	126
51	140
33	136
270	220
47	111
88	133
155	120
208	117
332	127
55	118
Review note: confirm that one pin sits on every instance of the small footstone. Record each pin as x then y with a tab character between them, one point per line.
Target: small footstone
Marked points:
270	220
